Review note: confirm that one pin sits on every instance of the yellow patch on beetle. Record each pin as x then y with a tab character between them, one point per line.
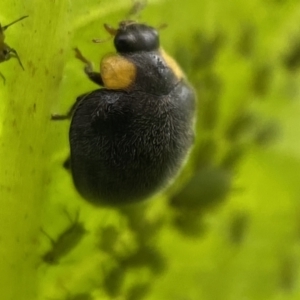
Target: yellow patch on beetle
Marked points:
172	64
117	72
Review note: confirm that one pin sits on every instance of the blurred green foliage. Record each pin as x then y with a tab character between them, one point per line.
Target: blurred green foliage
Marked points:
228	227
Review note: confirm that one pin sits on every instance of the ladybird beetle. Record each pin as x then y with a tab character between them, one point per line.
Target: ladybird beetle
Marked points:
129	139
6	52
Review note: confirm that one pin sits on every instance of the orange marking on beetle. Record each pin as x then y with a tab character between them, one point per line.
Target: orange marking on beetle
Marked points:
117	72
172	64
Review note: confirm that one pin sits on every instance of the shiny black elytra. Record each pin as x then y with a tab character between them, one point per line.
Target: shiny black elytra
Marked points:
129	139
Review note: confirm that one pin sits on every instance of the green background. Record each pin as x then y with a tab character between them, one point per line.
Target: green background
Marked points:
228	228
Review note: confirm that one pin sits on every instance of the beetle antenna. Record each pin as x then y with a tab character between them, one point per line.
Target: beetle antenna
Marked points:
79	55
162	26
137	7
112	31
98	41
6	26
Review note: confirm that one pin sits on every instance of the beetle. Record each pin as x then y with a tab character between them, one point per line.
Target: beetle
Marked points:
129	139
65	242
6	52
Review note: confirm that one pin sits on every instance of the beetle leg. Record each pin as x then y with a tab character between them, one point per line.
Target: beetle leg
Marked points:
48	236
69	114
88	69
15	54
69	217
2	76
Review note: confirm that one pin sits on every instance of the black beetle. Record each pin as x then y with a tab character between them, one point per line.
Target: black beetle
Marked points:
129	139
6	52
